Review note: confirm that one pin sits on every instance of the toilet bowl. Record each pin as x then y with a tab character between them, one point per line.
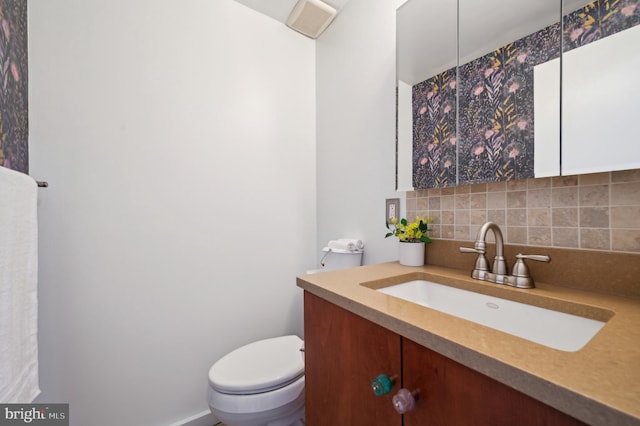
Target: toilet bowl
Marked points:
260	384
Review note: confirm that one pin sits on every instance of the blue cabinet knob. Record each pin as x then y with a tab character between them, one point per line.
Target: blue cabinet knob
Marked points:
383	384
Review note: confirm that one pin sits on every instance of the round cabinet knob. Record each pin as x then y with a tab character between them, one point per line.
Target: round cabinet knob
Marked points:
383	384
405	400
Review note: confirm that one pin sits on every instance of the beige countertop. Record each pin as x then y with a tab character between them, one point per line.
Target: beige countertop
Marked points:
599	384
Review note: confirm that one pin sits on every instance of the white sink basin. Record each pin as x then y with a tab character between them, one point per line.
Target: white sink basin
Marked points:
557	330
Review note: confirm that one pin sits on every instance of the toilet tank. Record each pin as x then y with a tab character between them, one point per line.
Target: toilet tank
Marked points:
340	259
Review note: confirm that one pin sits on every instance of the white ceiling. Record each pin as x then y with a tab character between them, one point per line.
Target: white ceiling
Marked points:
280	9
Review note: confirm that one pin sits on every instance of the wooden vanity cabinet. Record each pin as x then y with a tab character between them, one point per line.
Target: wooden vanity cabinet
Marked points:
344	352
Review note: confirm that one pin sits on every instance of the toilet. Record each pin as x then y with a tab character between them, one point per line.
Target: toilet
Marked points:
340	254
262	383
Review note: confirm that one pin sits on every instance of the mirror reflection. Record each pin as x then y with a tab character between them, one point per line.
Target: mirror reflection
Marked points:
501	46
600	87
473	101
427	39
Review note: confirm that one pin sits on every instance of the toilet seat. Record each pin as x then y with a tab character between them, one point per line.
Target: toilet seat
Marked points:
259	367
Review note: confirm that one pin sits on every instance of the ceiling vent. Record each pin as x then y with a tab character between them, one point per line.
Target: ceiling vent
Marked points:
311	17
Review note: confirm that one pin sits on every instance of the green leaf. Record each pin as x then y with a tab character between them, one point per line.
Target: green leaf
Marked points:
403	222
388	235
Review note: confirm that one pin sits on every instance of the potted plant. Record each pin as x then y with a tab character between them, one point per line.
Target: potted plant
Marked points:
412	236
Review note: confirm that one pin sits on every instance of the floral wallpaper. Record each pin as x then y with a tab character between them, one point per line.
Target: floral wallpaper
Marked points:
14	116
496	109
494	140
434	126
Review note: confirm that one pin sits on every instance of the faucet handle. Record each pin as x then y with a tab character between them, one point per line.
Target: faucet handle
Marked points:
538	257
520	275
520	269
482	264
471	250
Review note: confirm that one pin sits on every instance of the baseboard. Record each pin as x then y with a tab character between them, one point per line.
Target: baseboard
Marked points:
204	418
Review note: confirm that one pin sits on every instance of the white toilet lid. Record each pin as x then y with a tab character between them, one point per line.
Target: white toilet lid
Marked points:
259	367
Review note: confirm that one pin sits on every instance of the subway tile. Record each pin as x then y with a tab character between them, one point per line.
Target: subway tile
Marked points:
564	197
565	237
625	240
596	239
593	195
625	194
516	199
594	217
625	217
564	217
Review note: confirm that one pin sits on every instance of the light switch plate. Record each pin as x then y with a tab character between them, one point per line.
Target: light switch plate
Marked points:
392	209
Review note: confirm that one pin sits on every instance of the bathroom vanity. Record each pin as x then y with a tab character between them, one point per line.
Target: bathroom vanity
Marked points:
461	372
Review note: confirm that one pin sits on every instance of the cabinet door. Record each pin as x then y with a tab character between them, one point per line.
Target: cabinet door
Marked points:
343	353
452	394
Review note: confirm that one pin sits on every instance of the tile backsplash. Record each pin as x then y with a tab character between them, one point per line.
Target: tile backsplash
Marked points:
599	211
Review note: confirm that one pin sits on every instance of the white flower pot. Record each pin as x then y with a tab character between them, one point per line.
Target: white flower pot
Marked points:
412	254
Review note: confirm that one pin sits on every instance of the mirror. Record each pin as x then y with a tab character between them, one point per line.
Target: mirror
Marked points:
475	85
600	88
503	122
426	43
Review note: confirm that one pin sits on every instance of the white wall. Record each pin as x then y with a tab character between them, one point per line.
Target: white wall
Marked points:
355	74
178	138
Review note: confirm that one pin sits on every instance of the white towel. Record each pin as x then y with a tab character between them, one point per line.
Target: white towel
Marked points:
18	288
349	244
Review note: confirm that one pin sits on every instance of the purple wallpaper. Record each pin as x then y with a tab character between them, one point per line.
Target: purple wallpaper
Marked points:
495	106
434	130
14	112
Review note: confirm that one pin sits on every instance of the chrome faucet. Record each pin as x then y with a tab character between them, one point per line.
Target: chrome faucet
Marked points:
498	274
